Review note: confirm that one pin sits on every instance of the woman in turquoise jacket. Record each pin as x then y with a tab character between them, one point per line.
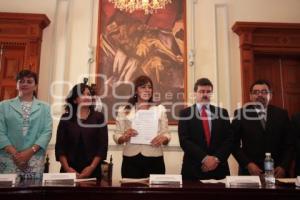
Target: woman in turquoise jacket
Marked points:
25	130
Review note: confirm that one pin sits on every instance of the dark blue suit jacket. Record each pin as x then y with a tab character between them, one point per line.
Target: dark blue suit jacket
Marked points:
192	141
252	141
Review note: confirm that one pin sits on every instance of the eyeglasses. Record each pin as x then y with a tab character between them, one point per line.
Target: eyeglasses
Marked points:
263	92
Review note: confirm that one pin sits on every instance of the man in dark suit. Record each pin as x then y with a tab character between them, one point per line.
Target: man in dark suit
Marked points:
205	136
259	128
296	133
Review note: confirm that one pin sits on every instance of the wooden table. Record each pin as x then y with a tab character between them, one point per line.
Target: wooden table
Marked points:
115	191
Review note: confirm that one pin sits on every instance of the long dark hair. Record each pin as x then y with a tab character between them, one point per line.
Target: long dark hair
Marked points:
71	107
139	81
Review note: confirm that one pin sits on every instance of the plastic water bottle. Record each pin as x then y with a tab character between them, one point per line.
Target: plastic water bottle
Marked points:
269	170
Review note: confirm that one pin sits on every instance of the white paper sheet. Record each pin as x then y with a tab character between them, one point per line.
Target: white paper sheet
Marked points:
135	180
59	179
214	181
167	179
286	180
146	124
8	178
247	181
78	180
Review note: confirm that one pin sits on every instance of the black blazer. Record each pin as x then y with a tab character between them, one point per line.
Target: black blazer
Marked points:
192	141
251	141
95	139
296	134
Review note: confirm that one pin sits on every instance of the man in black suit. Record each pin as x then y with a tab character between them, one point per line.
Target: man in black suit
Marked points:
205	136
259	128
296	132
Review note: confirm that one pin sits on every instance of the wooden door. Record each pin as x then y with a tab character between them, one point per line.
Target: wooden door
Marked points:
271	51
291	83
12	61
283	72
20	47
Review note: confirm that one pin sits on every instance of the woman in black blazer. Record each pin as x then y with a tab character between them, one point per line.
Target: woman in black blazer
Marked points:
82	136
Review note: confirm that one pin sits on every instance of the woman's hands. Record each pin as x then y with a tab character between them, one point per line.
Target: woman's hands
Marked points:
21	158
159	140
71	170
127	135
86	172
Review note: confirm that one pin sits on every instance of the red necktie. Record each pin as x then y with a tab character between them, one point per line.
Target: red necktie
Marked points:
205	125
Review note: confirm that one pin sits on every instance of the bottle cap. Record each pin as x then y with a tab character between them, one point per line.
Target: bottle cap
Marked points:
268	154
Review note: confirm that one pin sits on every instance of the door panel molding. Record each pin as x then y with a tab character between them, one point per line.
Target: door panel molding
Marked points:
264	38
20	43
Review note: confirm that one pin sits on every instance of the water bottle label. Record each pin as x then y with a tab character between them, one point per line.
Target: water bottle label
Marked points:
269	166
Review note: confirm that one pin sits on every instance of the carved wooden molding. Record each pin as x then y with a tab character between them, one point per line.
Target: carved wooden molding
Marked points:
12	43
22	24
268	36
262	38
20	42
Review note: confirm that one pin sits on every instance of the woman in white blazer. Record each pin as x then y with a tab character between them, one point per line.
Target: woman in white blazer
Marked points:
141	160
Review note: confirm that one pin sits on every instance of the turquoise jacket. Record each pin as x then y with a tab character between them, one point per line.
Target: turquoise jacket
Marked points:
11	123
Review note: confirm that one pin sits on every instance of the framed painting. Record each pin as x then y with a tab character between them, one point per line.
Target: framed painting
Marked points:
134	44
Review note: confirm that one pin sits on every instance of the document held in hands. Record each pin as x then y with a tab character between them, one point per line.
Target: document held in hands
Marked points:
145	123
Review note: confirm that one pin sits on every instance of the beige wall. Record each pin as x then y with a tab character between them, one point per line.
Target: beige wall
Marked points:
70	41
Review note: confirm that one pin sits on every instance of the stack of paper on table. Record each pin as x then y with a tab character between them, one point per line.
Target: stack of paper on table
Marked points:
59	179
135	180
243	181
286	180
7	180
78	180
214	181
165	179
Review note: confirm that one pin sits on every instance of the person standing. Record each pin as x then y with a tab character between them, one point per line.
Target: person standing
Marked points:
25	130
82	135
205	136
141	160
260	127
